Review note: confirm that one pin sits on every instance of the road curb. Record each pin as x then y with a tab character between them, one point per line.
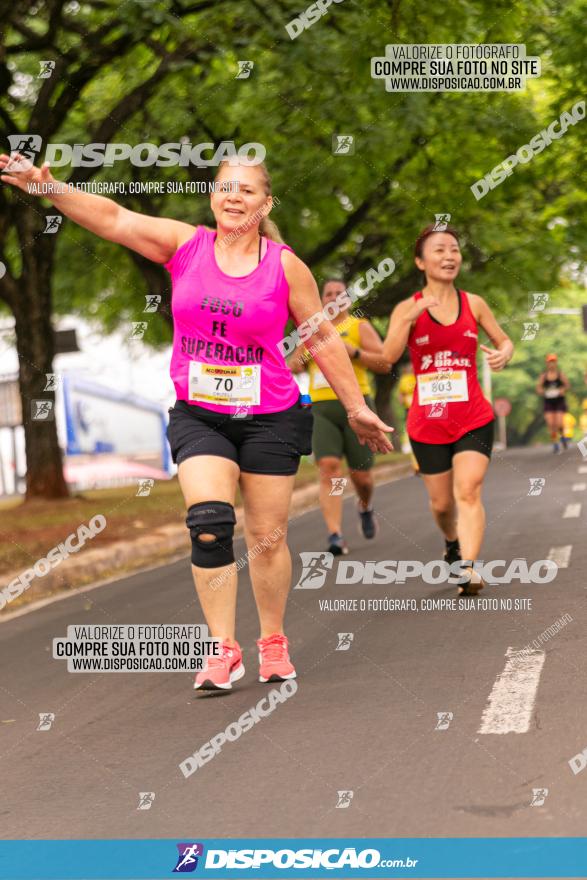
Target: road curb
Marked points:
101	565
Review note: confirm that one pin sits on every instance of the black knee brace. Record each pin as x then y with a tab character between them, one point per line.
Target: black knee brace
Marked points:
211	518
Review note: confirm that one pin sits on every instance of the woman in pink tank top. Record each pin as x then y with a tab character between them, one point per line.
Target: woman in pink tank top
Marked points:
238	419
227	330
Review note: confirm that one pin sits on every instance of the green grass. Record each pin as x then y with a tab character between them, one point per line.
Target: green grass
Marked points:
28	530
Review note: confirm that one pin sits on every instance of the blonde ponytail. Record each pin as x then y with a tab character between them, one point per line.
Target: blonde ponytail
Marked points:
270	230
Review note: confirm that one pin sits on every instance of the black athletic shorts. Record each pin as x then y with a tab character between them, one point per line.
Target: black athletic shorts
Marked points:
269	443
555	404
436	458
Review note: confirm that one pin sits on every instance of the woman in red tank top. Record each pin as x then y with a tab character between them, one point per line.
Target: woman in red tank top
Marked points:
450	422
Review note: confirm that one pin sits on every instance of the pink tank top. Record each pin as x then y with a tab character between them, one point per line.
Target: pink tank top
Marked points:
225	355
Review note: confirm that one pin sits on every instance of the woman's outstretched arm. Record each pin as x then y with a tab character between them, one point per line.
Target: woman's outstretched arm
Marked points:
156	238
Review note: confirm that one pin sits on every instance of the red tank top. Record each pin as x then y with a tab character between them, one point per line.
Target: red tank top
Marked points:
448	400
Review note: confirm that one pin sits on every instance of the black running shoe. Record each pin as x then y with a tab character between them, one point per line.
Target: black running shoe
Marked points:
452	552
337	545
368	522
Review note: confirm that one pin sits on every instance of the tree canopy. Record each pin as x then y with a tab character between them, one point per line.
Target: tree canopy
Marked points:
159	71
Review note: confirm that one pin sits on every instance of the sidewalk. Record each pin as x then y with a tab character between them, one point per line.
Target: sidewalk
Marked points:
163	544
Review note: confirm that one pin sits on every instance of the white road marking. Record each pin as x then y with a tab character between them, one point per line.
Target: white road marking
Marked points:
582	469
572	511
512	698
579	487
561	555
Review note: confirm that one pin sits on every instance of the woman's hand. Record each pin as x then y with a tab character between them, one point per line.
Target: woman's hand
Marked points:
25	176
370	429
495	358
420	305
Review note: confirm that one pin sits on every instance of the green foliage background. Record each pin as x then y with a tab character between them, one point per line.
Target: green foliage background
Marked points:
415	154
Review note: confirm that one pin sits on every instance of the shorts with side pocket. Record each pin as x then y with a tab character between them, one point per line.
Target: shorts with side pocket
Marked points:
265	443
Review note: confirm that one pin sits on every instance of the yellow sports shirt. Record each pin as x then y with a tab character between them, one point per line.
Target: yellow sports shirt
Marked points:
319	387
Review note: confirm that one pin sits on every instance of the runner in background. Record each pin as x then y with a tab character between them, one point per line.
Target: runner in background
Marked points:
450	423
552	385
332	438
233	290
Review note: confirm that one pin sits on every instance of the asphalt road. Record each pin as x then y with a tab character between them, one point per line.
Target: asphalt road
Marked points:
362	720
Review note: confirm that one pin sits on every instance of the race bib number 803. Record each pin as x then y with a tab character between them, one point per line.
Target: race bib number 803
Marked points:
443	387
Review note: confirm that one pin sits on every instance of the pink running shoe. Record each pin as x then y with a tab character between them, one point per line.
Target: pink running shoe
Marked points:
274	662
220	672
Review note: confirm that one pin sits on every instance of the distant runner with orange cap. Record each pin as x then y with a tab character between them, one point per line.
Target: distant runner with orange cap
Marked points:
552	385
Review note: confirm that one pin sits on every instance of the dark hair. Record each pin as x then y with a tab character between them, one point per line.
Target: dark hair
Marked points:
330	279
427	232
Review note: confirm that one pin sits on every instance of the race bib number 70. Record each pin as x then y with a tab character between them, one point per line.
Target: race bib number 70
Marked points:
236	385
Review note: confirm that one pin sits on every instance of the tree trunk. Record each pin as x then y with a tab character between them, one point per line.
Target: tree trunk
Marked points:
516	438
35	347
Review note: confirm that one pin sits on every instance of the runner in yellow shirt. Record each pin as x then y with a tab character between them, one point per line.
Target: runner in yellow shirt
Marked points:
333	437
